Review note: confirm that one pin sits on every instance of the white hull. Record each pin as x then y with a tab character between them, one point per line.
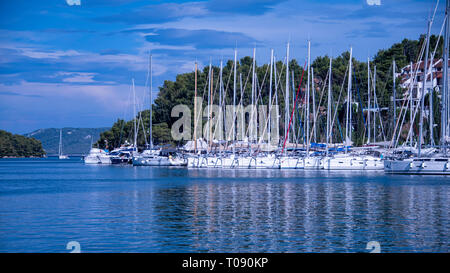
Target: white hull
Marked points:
364	163
97	159
158	161
291	162
418	166
232	162
313	163
63	157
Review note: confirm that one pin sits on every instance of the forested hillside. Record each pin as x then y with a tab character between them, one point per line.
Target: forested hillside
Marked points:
75	141
19	146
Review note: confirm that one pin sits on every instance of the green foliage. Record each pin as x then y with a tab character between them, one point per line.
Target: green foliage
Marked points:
19	146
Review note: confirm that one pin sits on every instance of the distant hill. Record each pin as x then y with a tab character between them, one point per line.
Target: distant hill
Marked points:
19	146
76	141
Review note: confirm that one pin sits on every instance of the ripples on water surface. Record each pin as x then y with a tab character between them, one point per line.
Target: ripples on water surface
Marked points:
46	203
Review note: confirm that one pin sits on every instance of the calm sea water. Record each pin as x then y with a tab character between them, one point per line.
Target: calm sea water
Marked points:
45	203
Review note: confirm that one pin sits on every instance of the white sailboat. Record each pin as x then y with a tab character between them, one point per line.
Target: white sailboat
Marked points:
348	160
60	152
151	156
423	162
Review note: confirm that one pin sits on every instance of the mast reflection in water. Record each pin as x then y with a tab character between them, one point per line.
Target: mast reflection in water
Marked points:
45	203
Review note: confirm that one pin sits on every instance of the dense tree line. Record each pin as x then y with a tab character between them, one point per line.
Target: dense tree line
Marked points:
19	146
181	91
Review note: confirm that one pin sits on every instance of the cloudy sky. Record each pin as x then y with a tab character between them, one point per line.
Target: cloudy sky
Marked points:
70	63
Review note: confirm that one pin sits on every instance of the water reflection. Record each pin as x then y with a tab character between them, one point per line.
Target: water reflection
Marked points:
268	211
117	209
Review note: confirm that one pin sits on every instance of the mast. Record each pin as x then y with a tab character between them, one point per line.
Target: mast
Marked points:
375	105
445	94
210	82
286	101
151	106
195	109
411	99
368	100
270	96
134	117
294	136
276	89
60	142
220	119
431	123
422	100
329	107
242	107
307	98
234	101
314	105
253	96
394	92
349	96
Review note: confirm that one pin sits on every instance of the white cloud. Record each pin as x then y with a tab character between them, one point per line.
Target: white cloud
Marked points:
73	2
374	2
78	77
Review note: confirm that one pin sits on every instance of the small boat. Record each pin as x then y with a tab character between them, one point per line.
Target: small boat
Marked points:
158	157
97	156
122	155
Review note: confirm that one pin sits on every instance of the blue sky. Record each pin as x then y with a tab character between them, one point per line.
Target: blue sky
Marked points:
69	63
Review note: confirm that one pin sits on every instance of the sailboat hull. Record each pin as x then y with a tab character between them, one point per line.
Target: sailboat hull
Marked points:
439	166
366	163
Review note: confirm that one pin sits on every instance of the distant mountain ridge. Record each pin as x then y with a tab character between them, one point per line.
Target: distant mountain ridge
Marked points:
75	141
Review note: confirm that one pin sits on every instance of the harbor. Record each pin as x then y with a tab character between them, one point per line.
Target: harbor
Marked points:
222	135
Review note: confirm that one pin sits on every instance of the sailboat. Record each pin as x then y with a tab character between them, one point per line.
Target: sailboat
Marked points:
60	152
432	163
350	160
151	156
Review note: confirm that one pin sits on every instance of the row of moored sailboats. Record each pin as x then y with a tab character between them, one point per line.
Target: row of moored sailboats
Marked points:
259	147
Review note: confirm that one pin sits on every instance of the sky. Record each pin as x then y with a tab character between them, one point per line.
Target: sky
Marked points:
70	63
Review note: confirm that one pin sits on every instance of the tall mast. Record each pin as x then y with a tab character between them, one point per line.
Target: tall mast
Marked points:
329	106
314	104
234	101
276	89
422	100
394	92
348	124
151	106
195	109
411	99
431	123
134	117
270	96
286	101
294	138
209	105
253	97
242	107
307	98
220	119
445	94
60	142
368	100
375	105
